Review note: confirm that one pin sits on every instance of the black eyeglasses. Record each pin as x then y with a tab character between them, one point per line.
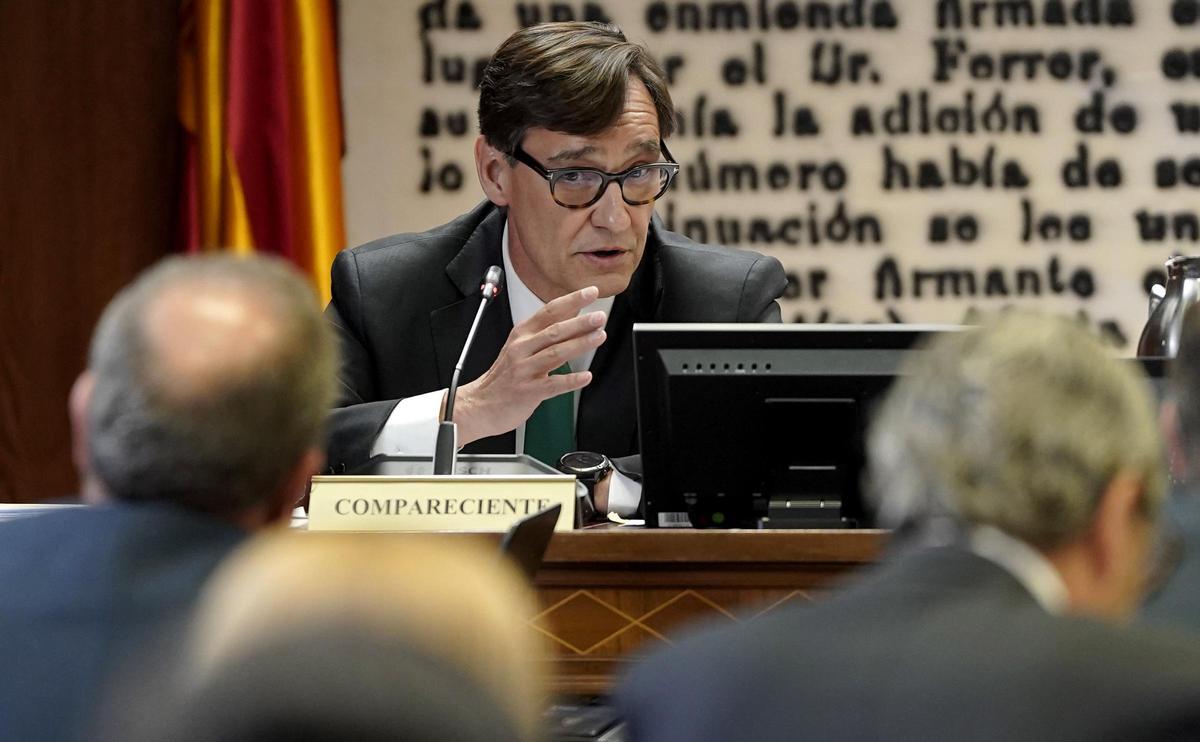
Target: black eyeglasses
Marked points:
579	187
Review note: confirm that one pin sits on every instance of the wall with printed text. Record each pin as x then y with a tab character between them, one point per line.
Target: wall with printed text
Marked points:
907	161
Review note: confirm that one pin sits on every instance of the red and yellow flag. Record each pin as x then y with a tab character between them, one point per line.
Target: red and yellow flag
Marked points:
258	100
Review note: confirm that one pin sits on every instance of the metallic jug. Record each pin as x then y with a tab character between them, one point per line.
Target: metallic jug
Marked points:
1168	304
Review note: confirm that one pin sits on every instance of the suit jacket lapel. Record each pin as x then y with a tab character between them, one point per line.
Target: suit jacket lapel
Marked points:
451	323
606	406
607	419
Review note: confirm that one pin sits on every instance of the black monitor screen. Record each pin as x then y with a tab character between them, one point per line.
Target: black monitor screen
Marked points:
746	426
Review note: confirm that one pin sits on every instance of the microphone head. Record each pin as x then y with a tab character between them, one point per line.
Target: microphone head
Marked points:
493	281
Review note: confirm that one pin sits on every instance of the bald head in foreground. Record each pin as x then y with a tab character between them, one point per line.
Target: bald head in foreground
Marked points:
1021	468
323	636
198	420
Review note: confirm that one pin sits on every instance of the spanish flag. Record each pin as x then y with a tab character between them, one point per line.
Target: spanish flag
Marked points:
259	105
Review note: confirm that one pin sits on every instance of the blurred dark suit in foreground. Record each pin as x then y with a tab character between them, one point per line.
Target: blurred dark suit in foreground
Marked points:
1022	470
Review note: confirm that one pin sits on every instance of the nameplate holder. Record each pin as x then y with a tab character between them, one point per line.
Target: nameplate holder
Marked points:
500	491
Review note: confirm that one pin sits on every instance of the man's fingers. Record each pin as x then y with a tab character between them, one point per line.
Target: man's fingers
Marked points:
551	357
562	308
562	383
560	333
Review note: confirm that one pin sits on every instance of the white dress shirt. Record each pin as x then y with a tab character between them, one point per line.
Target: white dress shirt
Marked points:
1023	562
412	427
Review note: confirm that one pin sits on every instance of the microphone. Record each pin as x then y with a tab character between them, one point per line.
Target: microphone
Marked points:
493	281
445	452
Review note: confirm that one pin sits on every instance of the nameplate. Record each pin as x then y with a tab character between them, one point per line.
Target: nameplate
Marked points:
428	503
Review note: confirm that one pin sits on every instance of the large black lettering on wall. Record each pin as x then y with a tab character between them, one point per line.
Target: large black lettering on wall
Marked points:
907	161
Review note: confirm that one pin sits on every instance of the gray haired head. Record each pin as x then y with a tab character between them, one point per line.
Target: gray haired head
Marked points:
212	378
1021	424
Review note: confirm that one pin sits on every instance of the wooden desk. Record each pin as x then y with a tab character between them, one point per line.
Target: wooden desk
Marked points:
609	592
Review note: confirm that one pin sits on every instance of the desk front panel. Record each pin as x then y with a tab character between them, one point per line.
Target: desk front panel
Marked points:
607	594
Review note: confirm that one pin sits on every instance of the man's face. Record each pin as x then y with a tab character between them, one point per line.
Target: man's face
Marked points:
556	250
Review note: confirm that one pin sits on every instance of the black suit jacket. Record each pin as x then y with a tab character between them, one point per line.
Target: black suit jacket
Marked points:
83	591
402	306
1178	601
939	645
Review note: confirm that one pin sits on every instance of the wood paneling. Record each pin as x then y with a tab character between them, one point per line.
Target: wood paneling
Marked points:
87	192
607	594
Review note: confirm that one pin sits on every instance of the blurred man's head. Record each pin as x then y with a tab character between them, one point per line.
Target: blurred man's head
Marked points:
1027	424
208	384
349	636
343	636
578	96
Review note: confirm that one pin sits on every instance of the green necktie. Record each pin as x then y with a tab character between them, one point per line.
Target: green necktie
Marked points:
550	430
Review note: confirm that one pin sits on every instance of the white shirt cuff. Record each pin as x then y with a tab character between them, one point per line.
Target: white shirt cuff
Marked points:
624	494
412	427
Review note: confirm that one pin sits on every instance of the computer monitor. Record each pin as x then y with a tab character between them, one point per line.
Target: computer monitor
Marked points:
751	425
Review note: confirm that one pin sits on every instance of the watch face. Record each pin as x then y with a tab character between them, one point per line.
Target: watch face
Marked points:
581	460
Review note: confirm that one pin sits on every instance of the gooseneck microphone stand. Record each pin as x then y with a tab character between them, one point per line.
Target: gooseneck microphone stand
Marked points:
445	453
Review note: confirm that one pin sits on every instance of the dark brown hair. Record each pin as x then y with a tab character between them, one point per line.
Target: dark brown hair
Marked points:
567	77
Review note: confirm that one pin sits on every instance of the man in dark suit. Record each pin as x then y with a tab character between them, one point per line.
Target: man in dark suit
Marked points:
1021	467
198	421
1178	602
571	157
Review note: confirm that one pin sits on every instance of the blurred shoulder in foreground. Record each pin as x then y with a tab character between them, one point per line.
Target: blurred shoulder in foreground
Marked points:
1021	468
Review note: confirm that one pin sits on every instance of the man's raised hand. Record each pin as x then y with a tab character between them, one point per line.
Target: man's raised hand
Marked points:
520	379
